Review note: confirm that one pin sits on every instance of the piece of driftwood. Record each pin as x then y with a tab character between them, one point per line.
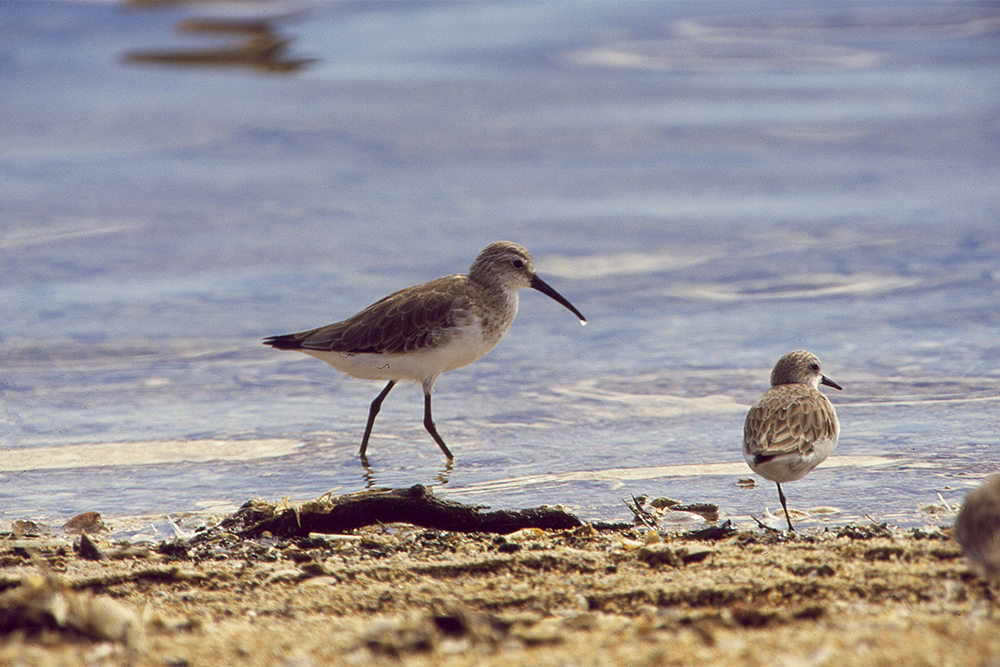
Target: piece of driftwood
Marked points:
415	505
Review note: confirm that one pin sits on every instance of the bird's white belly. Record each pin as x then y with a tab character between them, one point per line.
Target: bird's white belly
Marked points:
793	465
422	366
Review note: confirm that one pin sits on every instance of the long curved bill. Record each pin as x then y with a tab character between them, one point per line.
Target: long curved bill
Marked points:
829	383
543	287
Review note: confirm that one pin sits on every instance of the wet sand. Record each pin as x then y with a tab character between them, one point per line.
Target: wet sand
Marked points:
857	594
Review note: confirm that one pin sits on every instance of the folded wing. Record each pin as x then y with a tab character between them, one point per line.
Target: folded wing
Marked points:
783	422
396	324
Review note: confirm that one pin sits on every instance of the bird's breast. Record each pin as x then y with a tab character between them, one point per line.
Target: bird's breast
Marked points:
496	315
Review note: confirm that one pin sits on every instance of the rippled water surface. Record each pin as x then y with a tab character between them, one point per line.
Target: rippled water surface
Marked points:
711	187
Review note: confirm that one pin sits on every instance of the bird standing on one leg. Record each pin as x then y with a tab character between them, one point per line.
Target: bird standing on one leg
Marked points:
793	427
422	331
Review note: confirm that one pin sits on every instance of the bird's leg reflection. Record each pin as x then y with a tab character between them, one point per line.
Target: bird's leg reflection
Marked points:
369	474
445	475
369	477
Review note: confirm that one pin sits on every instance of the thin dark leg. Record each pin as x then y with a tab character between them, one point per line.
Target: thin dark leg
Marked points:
784	506
376	406
429	425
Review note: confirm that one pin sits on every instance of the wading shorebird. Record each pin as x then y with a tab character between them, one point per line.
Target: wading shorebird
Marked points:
977	529
793	427
420	332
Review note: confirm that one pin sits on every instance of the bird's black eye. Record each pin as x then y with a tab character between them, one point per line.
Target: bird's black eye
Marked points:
518	264
815	367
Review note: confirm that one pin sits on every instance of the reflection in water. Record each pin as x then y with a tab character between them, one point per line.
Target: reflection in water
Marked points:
443	476
369	475
260	48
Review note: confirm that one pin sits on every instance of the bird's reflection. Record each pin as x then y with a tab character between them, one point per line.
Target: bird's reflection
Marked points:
257	46
445	474
369	476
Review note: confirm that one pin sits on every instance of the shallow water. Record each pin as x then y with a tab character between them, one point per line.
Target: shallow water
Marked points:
710	187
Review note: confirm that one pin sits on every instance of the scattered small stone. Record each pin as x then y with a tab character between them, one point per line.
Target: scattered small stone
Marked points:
397	637
126	552
868	532
694	553
708	510
285	575
812	611
545	631
508	547
812	570
191	576
630	545
754	617
173	549
656	555
297	555
890	552
945	553
712	533
939	534
314	569
526	535
419	632
89	549
46	603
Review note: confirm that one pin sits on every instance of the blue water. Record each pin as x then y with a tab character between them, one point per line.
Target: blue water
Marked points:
711	187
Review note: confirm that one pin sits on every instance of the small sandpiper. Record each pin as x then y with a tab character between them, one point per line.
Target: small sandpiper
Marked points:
420	332
793	427
977	529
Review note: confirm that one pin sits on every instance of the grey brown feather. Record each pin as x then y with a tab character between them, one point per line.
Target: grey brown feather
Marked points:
788	418
405	321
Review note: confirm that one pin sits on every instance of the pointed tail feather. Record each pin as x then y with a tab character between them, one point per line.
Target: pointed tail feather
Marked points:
284	342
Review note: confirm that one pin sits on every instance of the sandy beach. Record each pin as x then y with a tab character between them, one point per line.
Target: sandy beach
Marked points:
399	594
